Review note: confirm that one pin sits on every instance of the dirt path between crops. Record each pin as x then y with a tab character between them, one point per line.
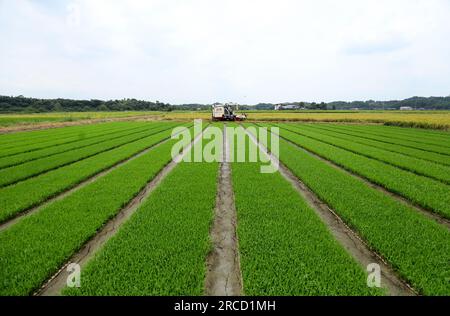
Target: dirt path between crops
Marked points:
430	214
351	241
59	196
223	276
57	282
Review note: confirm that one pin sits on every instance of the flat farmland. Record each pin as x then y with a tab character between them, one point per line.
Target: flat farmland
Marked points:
419	119
127	208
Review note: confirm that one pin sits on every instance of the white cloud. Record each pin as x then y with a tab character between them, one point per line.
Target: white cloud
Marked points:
247	51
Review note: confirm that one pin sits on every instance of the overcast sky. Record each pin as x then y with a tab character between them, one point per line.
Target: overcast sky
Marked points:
245	51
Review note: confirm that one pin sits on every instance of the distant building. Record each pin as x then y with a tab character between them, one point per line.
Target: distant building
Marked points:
406	108
290	107
279	107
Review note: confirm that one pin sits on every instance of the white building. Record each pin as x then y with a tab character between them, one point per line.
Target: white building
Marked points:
406	108
286	107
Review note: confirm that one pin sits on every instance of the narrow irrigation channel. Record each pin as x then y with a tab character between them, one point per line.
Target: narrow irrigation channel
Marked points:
224	275
355	246
57	282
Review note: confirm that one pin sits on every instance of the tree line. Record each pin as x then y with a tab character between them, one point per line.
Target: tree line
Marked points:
415	103
33	105
11	104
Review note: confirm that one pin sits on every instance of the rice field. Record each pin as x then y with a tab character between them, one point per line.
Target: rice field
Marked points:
347	204
416	119
7	120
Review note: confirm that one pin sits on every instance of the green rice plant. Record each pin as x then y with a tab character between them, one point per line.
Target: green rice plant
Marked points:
34	248
426	192
421	133
357	137
408	141
162	248
285	249
34	191
416	246
37	135
92	139
58	136
416	165
32	168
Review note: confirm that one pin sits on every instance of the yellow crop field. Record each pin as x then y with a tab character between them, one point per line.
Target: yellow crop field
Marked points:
435	119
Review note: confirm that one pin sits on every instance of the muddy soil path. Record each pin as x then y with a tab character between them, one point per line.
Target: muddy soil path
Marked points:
54	285
224	274
351	241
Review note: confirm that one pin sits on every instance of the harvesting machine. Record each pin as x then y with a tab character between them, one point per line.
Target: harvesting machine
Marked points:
225	112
